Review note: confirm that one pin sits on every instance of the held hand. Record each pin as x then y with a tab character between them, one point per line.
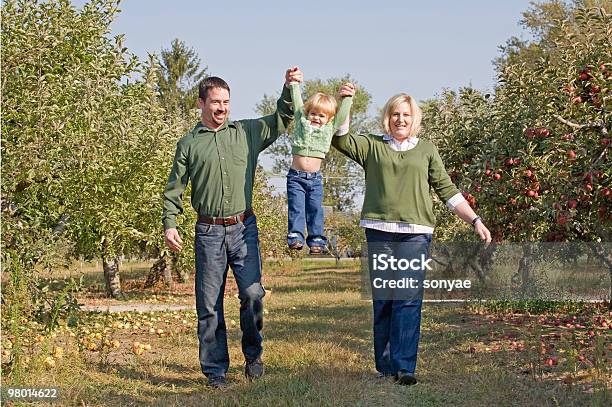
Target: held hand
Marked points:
293	75
173	240
481	230
348	89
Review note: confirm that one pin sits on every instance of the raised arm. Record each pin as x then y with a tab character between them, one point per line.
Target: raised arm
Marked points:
296	96
342	119
265	130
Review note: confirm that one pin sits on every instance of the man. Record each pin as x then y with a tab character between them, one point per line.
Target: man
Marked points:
219	157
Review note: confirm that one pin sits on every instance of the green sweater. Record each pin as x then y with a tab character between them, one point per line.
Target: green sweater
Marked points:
311	141
221	164
398	183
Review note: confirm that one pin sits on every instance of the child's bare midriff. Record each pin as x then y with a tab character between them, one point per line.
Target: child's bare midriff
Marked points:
308	164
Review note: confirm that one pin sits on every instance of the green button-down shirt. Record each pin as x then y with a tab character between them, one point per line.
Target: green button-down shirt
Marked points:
221	164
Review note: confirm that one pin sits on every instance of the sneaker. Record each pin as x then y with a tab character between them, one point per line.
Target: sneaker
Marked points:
405	379
217	382
297	245
254	369
317	250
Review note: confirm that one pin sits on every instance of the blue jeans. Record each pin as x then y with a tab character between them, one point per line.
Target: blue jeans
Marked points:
397	323
218	247
305	206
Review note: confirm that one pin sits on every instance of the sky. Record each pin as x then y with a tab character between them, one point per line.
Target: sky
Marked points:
388	47
417	47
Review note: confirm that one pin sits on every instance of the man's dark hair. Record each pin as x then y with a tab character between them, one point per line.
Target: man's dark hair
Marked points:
211	82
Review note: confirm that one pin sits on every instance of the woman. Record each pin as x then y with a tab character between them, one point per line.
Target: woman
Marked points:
400	169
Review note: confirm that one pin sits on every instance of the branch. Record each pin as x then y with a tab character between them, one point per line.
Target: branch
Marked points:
603	153
596	125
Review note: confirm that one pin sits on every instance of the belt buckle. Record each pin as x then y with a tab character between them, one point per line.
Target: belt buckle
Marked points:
226	221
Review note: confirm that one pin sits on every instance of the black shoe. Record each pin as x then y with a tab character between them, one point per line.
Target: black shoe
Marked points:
405	378
254	369
217	382
297	245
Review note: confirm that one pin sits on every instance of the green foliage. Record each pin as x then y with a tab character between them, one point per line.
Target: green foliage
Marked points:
86	149
344	233
534	158
271	211
178	78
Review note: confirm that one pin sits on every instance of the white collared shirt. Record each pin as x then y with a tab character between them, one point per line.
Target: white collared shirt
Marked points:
403	227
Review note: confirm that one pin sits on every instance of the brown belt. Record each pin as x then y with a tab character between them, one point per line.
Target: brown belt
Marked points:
230	220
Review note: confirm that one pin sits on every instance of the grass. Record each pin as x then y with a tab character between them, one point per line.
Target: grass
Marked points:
318	352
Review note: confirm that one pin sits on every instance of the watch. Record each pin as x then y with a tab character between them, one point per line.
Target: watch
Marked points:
476	219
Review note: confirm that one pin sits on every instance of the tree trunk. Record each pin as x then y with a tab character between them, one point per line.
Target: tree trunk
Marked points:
110	264
159	270
180	275
605	256
525	270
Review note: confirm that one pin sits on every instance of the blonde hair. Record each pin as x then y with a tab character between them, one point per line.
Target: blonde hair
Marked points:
322	102
415	111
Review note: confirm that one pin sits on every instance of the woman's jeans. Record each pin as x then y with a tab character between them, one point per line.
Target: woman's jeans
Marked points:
305	207
218	247
397	323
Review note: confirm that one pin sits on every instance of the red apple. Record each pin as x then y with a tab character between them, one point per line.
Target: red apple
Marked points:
497	176
606	192
571	154
487	172
604	141
596	101
588	186
584	76
572	204
542	132
595	89
509	162
577	100
530	132
567	137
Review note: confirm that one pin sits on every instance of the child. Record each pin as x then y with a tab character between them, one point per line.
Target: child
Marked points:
316	122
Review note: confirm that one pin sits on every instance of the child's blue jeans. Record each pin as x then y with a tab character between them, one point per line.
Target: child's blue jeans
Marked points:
305	206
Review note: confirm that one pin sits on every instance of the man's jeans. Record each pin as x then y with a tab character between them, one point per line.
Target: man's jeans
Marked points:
218	247
397	323
305	206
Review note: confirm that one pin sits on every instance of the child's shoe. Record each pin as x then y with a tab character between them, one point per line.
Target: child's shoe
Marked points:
317	250
297	245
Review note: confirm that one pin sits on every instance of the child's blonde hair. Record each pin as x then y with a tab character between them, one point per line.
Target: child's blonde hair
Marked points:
322	102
